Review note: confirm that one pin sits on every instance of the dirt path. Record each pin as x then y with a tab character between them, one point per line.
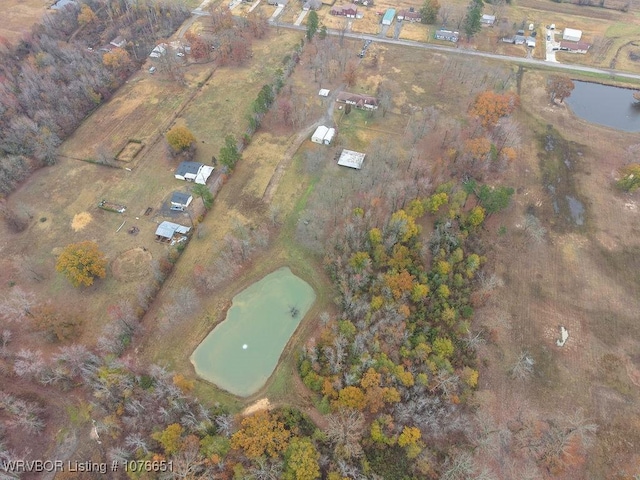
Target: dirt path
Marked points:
272	186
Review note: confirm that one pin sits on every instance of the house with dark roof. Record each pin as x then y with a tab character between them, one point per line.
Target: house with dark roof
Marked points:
363	102
312	5
349	11
409	15
193	172
574	47
180	200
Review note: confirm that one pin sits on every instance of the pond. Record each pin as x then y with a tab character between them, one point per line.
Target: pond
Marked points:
605	105
241	353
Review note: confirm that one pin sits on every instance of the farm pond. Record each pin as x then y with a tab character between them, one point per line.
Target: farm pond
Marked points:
240	354
605	105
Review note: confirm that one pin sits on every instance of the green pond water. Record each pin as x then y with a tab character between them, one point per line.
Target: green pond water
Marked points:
241	353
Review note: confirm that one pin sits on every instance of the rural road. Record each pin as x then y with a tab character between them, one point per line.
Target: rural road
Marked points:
460	51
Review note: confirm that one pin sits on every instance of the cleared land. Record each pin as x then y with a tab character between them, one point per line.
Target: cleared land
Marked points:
20	15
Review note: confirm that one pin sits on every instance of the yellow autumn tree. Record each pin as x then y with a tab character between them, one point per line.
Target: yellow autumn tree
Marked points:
81	263
180	138
301	460
170	438
261	434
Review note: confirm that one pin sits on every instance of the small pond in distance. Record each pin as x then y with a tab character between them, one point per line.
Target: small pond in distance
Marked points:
605	105
241	353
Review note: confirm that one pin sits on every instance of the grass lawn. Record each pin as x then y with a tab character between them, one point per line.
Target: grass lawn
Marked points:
19	16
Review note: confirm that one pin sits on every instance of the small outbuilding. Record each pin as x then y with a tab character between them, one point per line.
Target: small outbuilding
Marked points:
571	35
351	159
193	172
319	134
180	200
60	4
531	42
324	92
388	17
166	231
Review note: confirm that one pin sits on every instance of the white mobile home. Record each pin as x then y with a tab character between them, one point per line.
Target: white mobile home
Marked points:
319	134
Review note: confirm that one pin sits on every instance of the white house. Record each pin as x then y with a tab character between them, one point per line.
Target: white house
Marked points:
488	20
180	200
571	35
351	159
319	134
193	172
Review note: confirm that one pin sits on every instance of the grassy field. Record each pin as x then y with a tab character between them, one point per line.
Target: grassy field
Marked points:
20	15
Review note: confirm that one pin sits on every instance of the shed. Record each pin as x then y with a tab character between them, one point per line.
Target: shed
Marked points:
180	200
166	230
447	35
571	35
193	172
324	92
351	159
488	20
531	42
319	134
328	138
389	15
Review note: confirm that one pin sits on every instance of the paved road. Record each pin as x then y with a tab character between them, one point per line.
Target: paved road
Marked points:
473	53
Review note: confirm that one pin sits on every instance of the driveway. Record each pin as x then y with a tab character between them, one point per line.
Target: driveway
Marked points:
550	44
301	17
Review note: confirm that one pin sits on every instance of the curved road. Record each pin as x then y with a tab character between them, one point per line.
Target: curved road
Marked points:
460	51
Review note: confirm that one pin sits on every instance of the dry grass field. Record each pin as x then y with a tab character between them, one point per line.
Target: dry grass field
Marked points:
20	15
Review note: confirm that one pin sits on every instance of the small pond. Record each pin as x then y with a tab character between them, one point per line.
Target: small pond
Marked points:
241	353
605	105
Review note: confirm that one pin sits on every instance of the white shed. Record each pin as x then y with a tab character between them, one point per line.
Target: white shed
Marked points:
329	136
324	92
571	35
351	159
319	134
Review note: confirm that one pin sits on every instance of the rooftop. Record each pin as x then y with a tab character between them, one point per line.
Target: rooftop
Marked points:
188	167
180	198
169	229
351	159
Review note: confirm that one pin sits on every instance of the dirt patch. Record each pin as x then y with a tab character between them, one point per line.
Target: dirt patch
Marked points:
80	220
262	404
132	264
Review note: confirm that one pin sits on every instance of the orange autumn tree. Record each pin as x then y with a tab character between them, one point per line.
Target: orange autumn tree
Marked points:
490	107
81	263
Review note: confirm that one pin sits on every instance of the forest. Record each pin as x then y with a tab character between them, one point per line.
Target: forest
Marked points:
54	76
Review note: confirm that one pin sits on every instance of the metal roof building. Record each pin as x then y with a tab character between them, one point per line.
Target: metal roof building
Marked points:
572	35
167	230
389	15
351	159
